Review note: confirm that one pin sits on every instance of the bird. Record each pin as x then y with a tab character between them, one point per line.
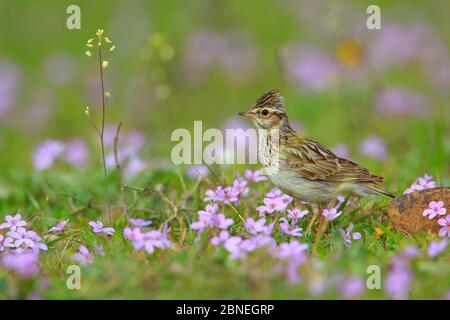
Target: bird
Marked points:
303	168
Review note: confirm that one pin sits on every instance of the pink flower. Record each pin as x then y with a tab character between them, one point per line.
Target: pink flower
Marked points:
23	238
25	263
97	227
341	200
341	150
349	235
210	219
271	205
1	243
13	222
197	171
398	283
421	183
76	152
234	246
296	213
223	236
139	222
436	247
240	186
290	229
255	227
445	224
373	147
227	195
352	287
84	256
136	236
59	227
46	153
331	214
435	208
293	250
254	176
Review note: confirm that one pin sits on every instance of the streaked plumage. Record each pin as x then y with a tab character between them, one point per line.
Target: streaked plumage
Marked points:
305	169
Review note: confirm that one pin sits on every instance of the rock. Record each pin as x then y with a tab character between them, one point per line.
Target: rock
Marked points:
406	211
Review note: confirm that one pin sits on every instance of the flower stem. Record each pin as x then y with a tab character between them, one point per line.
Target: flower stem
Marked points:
102	130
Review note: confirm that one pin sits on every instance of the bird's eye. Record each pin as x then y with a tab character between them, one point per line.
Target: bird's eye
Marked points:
265	112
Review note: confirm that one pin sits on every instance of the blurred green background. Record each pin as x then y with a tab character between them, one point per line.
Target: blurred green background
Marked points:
342	82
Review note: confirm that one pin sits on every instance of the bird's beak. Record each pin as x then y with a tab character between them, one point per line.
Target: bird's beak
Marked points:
247	114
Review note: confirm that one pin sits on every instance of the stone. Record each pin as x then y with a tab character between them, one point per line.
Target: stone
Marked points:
406	211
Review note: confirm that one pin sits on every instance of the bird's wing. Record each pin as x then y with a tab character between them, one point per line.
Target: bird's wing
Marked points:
312	161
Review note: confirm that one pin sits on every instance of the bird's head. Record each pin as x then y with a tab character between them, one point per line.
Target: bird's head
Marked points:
268	111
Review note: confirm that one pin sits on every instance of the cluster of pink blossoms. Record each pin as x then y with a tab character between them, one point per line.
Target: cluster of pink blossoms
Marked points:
275	201
210	218
20	247
18	238
230	194
421	183
147	240
437	209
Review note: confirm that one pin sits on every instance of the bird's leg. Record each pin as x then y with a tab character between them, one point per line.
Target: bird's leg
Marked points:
323	226
316	213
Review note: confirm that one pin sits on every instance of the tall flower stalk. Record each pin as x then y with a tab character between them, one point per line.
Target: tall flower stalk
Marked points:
99	40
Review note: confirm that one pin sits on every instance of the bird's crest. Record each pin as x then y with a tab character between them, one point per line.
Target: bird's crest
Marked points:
271	99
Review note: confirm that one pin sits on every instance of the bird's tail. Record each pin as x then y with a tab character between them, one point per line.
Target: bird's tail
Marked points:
379	190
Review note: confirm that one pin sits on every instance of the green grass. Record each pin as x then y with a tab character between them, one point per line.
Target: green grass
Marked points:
345	114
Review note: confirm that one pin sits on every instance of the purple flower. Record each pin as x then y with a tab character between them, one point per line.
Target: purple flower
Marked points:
271	205
436	247
232	52
13	222
9	80
341	150
254	176
136	236
99	249
23	238
435	208
97	227
290	229
84	256
76	152
198	171
373	147
1	243
134	165
25	263
349	235
401	101
340	200
445	224
139	222
59	227
255	227
398	283
210	219
331	214
234	247
421	183
223	236
395	45
311	69
293	250
296	213
352	287
227	195
46	153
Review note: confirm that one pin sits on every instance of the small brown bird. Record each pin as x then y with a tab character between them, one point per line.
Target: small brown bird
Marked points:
303	168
